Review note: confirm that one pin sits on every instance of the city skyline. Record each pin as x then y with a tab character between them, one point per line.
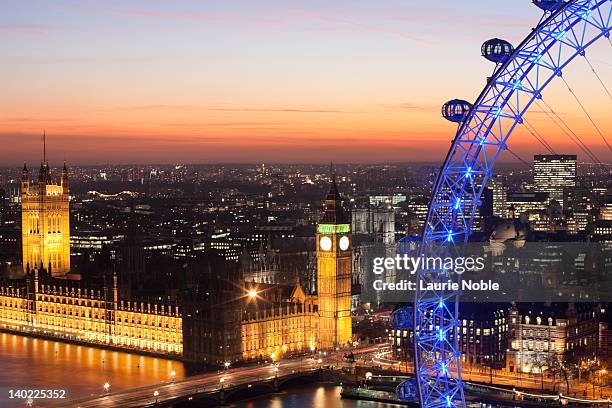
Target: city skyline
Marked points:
208	83
299	203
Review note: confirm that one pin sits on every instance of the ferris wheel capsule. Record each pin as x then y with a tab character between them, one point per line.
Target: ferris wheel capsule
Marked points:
549	5
456	110
496	50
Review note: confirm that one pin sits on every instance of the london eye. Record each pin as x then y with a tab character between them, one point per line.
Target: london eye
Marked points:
521	74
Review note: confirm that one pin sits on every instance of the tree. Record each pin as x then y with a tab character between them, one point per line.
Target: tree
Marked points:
558	365
540	361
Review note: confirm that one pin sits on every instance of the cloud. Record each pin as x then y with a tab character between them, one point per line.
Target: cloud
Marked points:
410	106
238	109
33	120
272	18
29	29
166	16
358	26
290	110
469	20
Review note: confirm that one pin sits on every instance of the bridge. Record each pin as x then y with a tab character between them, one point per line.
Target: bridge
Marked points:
211	388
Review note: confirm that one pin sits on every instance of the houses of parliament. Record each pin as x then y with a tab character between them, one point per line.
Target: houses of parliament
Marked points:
218	318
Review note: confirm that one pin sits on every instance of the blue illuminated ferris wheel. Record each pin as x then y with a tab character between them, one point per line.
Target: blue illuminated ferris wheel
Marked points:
565	31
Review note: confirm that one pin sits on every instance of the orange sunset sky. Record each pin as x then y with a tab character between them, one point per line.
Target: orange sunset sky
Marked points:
263	81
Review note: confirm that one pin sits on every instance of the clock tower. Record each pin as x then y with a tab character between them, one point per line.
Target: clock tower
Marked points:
334	272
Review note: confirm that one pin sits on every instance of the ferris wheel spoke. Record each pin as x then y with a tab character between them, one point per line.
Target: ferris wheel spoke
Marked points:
587	113
535	134
598	77
562	124
519	158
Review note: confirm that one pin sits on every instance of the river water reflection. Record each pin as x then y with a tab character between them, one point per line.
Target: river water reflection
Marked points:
32	363
310	396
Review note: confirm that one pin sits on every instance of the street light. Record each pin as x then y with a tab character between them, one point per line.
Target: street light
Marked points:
106	386
156	395
252	293
368	376
226	364
221	381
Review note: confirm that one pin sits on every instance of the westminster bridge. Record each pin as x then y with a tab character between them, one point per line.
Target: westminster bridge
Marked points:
211	388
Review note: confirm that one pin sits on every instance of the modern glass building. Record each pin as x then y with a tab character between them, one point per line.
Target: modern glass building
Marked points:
552	173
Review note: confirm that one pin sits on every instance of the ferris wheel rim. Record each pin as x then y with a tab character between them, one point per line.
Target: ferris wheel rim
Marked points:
550	18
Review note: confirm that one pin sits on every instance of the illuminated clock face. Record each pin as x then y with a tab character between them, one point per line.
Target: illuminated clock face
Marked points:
344	243
325	243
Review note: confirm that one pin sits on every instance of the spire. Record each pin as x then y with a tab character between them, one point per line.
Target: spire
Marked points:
47	174
25	179
333	211
44	146
64	179
41	173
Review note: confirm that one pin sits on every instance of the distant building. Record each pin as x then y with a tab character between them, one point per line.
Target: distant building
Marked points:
482	335
70	310
373	233
600	231
378	222
499	197
581	205
553	173
45	219
519	203
387	200
538	334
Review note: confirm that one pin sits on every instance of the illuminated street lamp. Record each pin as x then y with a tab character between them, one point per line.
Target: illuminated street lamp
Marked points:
221	381
226	365
368	376
156	395
172	375
252	293
106	386
602	381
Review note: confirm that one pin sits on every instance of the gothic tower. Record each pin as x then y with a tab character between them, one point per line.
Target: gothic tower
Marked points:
334	270
45	221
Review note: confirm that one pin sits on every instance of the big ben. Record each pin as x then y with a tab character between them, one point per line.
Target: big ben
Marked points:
334	270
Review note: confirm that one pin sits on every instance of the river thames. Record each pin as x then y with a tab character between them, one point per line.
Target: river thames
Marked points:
31	363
